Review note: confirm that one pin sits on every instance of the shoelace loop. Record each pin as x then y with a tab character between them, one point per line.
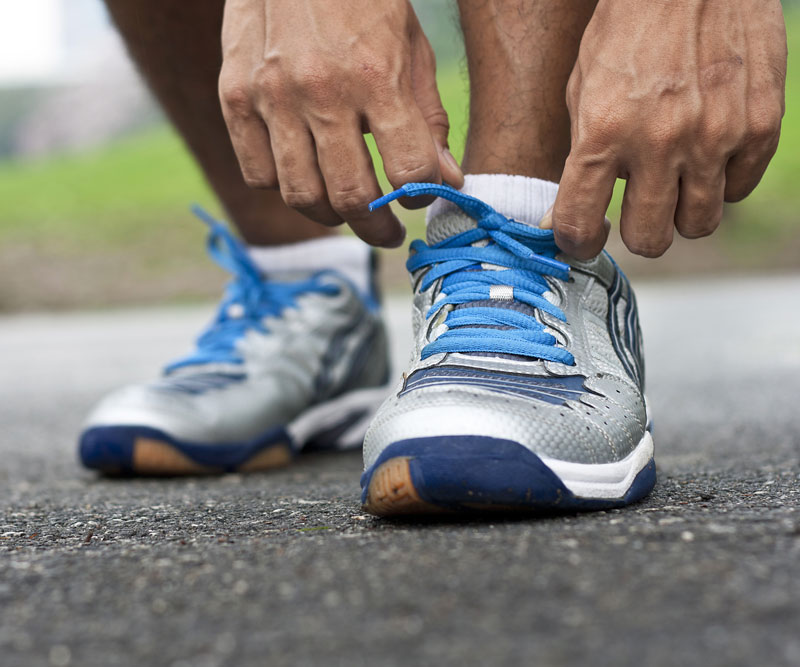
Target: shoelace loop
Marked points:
248	300
523	255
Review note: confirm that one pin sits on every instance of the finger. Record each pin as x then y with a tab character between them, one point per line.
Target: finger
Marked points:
546	221
301	183
406	146
647	223
745	169
748	164
351	184
248	133
579	213
426	92
249	137
700	199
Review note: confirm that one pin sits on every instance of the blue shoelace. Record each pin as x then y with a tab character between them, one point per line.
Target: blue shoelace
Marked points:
527	253
248	299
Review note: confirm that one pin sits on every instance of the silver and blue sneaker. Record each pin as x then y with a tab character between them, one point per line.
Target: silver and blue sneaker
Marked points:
285	365
525	389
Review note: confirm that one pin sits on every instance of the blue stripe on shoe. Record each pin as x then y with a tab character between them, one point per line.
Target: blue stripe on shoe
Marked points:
110	448
555	390
454	472
627	339
198	383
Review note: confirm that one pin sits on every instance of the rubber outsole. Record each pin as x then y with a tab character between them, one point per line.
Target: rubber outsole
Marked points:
137	450
475	473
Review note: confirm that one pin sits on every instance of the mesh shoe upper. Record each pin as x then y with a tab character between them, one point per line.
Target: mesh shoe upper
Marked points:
518	342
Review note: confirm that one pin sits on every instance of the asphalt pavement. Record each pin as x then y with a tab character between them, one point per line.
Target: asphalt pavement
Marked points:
284	568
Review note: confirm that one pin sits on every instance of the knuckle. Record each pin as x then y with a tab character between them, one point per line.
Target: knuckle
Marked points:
236	99
697	230
715	131
703	222
350	201
573	87
763	125
329	221
378	71
301	198
660	139
737	191
259	180
647	246
574	235
413	171
373	69
649	204
704	201
312	82
600	127
382	236
427	53
269	79
438	118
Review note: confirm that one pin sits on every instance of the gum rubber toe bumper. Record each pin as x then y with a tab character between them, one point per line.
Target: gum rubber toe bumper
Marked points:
147	451
456	473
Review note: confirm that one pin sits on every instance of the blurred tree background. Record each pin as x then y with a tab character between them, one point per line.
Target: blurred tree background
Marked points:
95	186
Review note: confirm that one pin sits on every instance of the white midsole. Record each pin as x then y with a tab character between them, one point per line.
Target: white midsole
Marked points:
327	415
603	480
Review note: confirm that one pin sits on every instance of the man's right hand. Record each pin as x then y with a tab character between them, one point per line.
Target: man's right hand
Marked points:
302	81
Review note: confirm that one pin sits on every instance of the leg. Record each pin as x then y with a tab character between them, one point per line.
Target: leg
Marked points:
176	45
520	54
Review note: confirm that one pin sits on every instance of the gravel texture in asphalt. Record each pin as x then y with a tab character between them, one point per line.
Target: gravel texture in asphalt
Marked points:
285	569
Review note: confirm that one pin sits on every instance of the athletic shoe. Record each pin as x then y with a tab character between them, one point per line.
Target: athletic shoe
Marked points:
525	388
283	366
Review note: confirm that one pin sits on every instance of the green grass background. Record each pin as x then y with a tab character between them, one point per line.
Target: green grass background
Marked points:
131	197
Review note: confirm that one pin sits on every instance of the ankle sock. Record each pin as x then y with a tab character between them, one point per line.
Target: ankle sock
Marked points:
349	256
519	197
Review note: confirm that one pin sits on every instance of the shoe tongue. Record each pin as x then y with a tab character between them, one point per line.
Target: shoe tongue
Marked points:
445	219
447	223
285	276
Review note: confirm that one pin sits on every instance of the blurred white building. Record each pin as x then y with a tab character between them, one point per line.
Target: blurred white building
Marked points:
69	51
43	42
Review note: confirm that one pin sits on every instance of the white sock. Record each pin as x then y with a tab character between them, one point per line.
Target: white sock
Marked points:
349	256
519	197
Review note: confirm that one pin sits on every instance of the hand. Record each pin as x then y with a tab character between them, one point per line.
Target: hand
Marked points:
302	81
683	99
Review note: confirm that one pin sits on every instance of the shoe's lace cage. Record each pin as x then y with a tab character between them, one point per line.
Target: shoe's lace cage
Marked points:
249	299
481	271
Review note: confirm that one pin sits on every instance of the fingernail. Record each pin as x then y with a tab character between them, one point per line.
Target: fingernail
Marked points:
547	219
451	161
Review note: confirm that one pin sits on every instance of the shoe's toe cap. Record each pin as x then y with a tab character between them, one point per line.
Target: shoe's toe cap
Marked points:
142	405
596	431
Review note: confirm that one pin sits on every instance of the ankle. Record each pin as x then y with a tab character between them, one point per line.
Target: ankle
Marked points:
519	197
348	256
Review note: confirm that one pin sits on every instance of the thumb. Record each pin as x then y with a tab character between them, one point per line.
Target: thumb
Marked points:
426	94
